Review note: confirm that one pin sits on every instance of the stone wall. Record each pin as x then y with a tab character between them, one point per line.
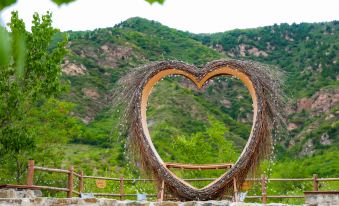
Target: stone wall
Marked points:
322	198
11	197
42	201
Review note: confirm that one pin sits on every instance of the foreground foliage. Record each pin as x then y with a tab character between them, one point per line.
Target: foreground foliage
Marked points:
29	76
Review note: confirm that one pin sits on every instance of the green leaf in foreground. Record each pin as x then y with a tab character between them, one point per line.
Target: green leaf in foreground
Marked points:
59	2
153	1
5	3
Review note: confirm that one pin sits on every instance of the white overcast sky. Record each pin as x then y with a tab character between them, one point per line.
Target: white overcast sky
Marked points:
198	16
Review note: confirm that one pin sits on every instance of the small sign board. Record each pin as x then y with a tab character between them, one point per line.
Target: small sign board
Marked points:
246	185
100	183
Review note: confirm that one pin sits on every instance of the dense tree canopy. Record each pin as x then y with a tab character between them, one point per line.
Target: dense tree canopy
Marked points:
29	74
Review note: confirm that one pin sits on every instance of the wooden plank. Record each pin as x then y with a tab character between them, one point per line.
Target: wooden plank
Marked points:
140	180
322	192
285	196
290	179
33	187
198	166
101	178
76	174
275	196
76	192
329	179
200	179
51	188
50	169
280	179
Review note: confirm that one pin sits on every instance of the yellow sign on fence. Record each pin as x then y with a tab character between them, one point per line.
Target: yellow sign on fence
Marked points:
246	186
100	183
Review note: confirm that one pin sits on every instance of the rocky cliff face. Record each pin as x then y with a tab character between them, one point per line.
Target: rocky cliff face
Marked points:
322	101
309	119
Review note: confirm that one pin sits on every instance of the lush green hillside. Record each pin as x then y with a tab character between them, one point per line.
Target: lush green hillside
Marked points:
311	73
183	119
308	53
305	51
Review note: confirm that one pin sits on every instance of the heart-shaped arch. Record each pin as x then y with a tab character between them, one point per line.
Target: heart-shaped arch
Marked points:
259	141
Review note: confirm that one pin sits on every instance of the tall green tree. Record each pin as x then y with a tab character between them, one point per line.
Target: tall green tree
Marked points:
30	74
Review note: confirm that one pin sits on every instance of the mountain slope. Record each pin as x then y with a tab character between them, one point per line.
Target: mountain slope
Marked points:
307	53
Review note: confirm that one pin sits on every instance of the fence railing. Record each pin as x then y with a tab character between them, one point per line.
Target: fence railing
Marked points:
70	190
264	180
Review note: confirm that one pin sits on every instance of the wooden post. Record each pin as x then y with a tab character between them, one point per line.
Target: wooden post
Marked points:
315	182
121	187
81	182
70	182
161	191
263	189
235	190
30	172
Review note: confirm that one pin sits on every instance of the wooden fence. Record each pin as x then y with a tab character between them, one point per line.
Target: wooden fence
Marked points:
70	190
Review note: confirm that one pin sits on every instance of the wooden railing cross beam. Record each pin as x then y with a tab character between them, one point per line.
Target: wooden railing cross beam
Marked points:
70	182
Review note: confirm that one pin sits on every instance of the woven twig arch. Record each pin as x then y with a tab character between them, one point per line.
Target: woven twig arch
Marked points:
265	99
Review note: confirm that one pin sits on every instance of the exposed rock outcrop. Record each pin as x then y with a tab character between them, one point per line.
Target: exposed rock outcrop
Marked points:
291	126
325	139
73	69
321	101
308	149
227	103
91	93
112	54
107	55
243	49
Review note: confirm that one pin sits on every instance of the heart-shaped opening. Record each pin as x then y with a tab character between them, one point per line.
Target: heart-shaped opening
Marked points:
209	125
199	79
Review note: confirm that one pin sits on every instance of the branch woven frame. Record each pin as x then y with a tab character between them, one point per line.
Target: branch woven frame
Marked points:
264	88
